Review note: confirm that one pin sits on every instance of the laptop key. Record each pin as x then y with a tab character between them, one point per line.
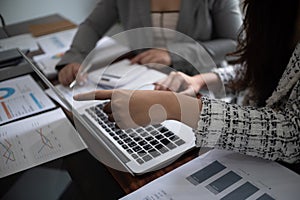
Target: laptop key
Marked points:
159	137
134	156
169	134
149	128
154	153
120	142
137	139
137	148
174	137
142	153
168	143
161	148
163	129
147	147
147	158
116	138
154	142
144	134
140	161
149	138
180	142
142	143
127	140
132	144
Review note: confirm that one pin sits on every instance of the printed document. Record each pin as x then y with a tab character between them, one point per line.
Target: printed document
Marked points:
56	42
224	175
23	42
35	140
20	97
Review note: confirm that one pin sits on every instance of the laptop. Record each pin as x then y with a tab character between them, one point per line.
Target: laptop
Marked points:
136	151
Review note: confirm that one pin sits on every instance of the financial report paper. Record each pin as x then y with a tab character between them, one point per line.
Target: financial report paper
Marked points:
21	97
35	140
223	175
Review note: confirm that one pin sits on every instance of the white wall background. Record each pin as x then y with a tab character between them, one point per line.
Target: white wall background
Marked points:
15	11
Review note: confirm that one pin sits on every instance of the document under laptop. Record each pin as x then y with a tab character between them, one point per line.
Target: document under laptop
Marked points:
137	150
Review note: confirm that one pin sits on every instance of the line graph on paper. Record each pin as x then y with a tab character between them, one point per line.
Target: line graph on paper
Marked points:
11	151
8	152
35	140
46	142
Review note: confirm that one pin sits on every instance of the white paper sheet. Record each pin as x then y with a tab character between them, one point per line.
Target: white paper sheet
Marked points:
69	93
20	97
36	140
56	42
223	175
24	42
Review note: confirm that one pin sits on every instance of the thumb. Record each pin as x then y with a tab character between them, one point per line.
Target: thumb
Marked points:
94	95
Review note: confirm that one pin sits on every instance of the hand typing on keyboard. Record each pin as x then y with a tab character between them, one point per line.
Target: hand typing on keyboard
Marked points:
134	108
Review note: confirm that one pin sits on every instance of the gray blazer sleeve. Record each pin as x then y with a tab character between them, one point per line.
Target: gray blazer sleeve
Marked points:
222	19
90	31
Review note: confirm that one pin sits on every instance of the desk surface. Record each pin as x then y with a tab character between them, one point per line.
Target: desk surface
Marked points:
22	27
76	176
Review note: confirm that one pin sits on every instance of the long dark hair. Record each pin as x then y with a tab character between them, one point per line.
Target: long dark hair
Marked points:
265	45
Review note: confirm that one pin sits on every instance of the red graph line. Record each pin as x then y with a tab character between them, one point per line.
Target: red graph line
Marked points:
8	154
45	140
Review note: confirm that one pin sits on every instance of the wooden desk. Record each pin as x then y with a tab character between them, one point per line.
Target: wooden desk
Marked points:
131	183
22	27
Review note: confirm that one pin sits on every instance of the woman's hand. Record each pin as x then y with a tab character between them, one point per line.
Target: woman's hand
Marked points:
131	109
153	56
67	74
181	83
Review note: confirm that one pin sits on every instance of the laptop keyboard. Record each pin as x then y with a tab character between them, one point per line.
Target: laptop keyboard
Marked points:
143	143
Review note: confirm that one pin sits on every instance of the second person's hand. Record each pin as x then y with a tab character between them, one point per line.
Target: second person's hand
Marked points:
68	74
153	56
181	83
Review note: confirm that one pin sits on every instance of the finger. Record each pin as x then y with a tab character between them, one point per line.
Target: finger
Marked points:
66	75
149	58
98	95
107	108
110	118
75	69
177	83
157	86
137	58
160	87
62	77
165	84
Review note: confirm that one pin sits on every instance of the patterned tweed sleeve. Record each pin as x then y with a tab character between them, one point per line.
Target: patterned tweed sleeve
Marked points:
271	132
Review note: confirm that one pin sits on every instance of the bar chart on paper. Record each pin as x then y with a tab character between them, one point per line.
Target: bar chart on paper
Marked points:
223	175
35	140
20	97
